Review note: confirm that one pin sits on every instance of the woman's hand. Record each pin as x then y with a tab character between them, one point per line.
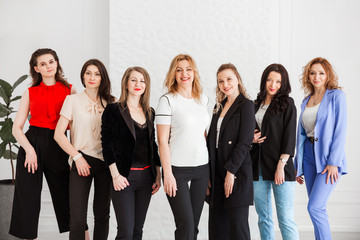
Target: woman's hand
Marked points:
332	173
82	166
299	179
157	184
229	183
280	173
257	135
120	182
31	161
170	186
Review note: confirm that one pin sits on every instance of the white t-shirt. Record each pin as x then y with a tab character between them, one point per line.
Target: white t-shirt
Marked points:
188	122
85	124
259	116
309	119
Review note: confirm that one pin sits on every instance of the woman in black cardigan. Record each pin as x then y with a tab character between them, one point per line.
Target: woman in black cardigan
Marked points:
130	150
272	151
229	142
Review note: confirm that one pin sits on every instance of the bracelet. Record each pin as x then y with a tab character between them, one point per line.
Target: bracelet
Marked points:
77	156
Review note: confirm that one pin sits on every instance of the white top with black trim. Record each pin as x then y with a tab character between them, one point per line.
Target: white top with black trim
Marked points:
188	120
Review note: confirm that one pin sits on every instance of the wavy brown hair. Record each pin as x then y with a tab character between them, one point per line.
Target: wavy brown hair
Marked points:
220	96
104	91
36	77
170	81
331	79
145	97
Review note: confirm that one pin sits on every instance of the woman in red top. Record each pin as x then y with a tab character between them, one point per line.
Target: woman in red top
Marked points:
39	153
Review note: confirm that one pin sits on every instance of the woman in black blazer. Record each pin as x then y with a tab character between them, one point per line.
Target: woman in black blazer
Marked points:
130	150
229	141
272	152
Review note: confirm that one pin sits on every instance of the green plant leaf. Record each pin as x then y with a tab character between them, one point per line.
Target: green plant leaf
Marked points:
5	90
4	111
6	131
19	81
7	155
15	98
2	149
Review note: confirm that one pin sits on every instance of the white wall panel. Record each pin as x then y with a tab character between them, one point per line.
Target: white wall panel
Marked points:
151	33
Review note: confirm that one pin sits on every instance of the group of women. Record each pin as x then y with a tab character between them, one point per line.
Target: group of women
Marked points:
247	150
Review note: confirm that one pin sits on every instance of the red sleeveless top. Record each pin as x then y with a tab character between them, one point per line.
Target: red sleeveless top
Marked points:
46	103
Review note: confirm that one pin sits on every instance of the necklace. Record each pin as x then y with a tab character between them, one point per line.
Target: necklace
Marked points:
316	98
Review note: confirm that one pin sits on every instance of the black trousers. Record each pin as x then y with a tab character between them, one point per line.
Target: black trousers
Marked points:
188	203
52	161
131	204
226	223
79	196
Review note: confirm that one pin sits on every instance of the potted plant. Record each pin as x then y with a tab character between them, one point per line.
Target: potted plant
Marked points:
8	150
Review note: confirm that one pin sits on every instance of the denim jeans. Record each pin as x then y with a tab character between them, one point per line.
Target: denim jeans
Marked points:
284	201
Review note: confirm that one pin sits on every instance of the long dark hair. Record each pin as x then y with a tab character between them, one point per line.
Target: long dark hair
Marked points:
280	101
104	91
36	77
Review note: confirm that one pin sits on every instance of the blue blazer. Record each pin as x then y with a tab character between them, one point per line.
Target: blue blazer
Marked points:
329	134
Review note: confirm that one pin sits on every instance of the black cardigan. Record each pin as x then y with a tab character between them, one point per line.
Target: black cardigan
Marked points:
280	132
118	138
235	137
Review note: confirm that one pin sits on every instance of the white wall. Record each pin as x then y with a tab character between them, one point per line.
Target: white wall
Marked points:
250	34
76	30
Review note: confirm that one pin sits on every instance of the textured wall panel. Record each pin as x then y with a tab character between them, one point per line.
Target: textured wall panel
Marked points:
151	33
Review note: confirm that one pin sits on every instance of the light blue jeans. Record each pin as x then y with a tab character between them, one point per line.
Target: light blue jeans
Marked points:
284	201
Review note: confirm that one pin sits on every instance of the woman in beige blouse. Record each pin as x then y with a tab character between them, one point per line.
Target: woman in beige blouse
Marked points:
83	112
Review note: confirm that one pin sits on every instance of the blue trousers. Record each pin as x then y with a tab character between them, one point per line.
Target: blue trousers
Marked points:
284	202
318	193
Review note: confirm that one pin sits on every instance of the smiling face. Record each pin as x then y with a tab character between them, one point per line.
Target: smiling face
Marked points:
46	65
273	83
92	77
228	83
184	74
136	84
317	76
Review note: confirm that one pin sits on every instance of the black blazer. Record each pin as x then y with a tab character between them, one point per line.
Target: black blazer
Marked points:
280	132
118	138
236	135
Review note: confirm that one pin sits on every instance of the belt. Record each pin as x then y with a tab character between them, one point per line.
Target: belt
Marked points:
312	139
139	168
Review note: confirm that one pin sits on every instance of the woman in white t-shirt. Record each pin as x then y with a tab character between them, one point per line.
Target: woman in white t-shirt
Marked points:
83	112
182	119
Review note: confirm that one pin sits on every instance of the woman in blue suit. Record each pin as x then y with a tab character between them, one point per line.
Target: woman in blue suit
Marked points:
320	155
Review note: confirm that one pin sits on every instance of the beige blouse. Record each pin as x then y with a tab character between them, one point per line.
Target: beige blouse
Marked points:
85	124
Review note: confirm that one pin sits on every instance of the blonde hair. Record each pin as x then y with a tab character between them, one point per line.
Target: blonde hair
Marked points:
170	81
145	97
331	80
220	96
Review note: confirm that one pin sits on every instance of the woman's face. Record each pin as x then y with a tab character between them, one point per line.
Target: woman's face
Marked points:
184	74
317	76
46	65
92	77
273	83
136	84
228	83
